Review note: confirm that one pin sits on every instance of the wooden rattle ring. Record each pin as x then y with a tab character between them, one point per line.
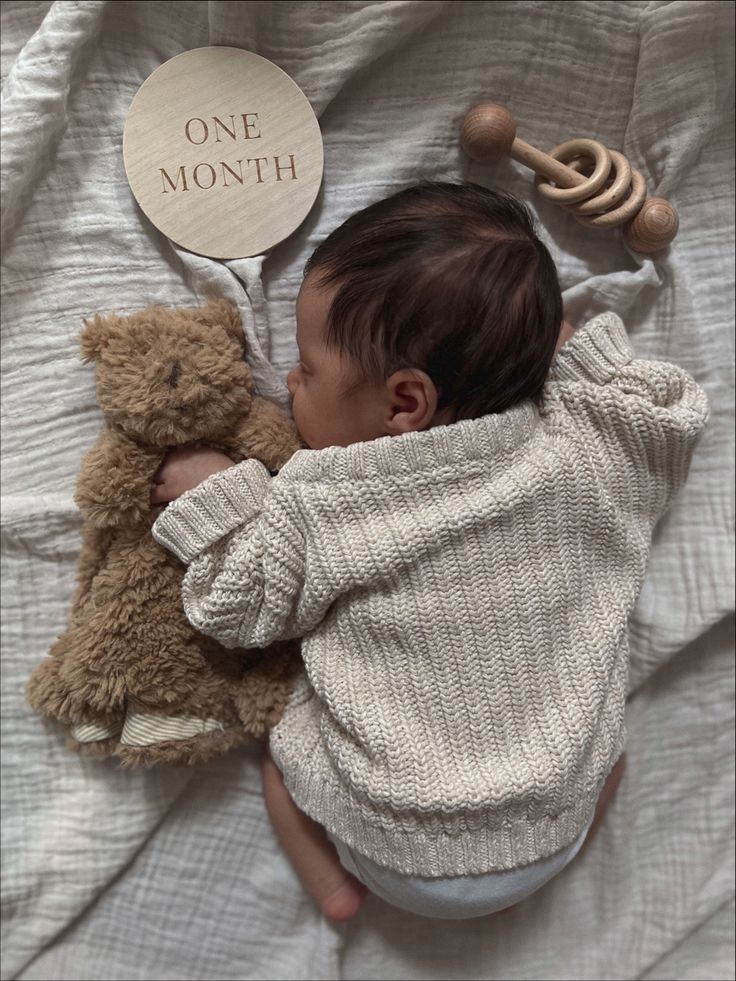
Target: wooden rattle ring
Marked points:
626	179
589	185
627	211
615	193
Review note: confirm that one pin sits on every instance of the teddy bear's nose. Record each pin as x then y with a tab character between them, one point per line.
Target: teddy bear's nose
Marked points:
173	379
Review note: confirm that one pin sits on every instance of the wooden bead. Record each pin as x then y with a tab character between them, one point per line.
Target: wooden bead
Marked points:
488	132
653	228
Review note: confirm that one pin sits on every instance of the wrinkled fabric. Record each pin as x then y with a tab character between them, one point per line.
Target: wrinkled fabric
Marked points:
113	874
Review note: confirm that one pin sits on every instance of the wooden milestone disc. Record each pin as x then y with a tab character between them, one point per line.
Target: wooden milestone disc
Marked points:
223	152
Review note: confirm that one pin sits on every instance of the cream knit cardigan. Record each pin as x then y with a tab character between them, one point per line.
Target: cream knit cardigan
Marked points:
463	596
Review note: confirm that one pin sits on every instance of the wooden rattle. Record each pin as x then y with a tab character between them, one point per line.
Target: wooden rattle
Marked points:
580	169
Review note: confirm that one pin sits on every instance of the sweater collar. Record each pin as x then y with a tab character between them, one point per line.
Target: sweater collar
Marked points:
487	438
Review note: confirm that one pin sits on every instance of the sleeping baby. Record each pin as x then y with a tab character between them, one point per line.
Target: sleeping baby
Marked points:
459	549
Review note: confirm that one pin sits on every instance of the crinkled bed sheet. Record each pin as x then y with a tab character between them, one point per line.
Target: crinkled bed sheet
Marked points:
176	874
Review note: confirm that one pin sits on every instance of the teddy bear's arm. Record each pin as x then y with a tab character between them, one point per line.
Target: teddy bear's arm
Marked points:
114	484
267	434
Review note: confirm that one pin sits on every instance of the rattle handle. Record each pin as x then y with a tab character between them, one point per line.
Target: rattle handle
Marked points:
542	163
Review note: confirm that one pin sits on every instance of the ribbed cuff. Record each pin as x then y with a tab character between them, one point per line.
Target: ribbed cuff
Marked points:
212	509
595	352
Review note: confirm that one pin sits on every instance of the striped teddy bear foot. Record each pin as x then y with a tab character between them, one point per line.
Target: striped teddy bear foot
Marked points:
96	737
150	736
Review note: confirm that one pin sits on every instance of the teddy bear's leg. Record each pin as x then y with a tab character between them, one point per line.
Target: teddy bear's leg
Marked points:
95	738
266	686
54	689
200	724
151	737
88	731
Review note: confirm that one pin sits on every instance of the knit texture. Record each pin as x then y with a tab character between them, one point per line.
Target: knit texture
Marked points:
463	596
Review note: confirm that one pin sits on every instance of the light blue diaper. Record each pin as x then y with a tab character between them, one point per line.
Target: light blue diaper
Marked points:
456	897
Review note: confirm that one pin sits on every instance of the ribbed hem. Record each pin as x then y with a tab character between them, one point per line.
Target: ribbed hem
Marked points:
491	438
409	847
595	352
463	842
212	509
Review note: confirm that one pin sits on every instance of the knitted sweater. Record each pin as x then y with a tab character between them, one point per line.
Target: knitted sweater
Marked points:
463	596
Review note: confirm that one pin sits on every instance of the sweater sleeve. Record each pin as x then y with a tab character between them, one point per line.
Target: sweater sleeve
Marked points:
240	533
640	419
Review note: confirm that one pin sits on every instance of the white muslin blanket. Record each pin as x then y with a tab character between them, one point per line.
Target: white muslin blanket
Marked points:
112	874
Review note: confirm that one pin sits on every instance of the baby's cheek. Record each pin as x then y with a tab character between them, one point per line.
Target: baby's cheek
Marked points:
300	416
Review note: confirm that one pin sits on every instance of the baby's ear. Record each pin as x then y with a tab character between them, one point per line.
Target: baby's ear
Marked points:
224	314
94	335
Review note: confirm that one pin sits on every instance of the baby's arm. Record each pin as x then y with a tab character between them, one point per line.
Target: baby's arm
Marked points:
242	535
640	419
184	468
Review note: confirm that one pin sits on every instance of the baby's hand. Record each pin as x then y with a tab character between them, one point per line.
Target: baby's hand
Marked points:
184	468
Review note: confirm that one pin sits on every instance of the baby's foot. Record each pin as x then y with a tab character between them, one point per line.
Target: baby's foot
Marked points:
342	901
336	892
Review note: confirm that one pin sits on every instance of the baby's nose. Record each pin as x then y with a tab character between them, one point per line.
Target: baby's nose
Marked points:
291	381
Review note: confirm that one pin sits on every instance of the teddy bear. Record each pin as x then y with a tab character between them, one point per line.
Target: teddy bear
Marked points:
130	677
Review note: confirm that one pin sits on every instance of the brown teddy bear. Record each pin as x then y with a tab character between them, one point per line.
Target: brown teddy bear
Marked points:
131	677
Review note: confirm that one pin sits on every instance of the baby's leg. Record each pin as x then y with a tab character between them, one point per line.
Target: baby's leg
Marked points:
337	893
606	796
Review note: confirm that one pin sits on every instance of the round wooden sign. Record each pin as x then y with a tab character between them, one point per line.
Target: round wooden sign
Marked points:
223	152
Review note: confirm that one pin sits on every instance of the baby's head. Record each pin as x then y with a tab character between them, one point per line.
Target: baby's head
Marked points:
436	304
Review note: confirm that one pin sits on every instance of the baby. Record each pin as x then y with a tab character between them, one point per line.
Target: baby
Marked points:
459	549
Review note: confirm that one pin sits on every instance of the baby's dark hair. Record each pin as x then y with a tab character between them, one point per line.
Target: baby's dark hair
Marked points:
451	279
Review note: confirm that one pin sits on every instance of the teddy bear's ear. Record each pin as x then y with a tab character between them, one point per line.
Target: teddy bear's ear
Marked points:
94	335
224	314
